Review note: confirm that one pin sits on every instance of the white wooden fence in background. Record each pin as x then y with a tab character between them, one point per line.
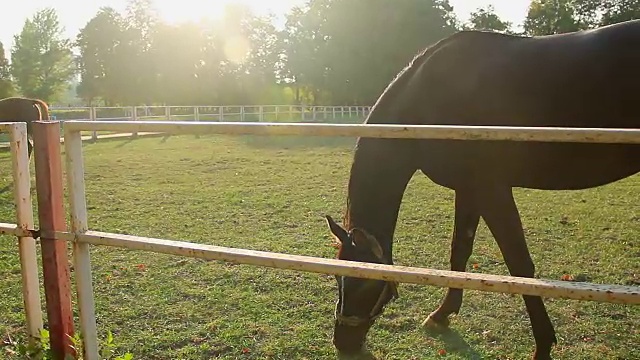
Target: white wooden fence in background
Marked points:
210	113
234	113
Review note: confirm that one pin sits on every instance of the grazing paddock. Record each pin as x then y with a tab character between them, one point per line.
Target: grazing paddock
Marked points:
271	193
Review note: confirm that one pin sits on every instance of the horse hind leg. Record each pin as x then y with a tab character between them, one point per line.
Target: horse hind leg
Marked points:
29	147
466	222
500	212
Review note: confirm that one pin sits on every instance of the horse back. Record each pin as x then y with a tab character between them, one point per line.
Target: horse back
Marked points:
23	109
582	79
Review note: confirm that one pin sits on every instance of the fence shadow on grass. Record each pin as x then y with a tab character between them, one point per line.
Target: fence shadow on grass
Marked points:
297	142
302	142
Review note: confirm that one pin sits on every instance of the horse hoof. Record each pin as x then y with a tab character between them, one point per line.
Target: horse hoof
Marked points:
431	323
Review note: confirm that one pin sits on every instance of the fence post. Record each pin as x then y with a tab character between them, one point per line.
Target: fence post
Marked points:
261	116
81	254
220	113
196	115
277	112
242	113
167	113
26	245
51	215
92	117
134	117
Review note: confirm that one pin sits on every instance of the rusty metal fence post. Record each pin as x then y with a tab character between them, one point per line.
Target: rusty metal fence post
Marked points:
51	214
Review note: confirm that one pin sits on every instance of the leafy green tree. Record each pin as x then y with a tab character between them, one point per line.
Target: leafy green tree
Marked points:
240	58
369	41
486	19
209	71
6	84
135	58
546	17
303	42
177	54
98	42
607	12
41	59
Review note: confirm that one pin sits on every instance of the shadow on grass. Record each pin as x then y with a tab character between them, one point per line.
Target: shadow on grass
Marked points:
6	203
6	188
123	143
365	355
297	142
454	342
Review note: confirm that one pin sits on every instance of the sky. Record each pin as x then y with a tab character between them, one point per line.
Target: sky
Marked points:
73	14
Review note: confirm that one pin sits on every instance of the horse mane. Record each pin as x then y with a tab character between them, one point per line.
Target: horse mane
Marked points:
410	69
390	92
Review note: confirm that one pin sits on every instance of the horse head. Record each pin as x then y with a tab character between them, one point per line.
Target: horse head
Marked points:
360	301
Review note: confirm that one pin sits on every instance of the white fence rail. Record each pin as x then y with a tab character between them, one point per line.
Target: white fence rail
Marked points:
458	132
82	236
24	217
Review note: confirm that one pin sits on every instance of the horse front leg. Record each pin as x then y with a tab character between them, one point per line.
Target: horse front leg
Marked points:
466	222
499	210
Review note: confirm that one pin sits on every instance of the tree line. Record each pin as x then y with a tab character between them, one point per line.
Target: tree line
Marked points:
338	52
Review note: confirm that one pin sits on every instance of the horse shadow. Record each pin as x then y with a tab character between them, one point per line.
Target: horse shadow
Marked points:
454	342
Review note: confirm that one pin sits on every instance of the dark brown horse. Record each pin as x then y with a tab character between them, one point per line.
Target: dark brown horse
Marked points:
20	109
582	79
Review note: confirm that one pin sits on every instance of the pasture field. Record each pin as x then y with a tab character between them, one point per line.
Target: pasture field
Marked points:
272	194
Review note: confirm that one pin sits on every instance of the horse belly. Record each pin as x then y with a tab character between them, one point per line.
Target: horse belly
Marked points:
573	166
544	166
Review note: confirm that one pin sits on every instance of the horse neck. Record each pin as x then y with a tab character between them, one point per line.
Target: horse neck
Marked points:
379	176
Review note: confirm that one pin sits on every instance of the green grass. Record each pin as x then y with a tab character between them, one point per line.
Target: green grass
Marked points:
271	194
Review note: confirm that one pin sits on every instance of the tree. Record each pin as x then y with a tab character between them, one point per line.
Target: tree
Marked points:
347	51
240	57
6	84
362	56
607	12
177	54
303	42
487	19
616	11
546	17
252	51
41	59
134	53
98	62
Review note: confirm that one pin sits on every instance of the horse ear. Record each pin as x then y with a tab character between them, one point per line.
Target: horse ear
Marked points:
363	238
337	231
